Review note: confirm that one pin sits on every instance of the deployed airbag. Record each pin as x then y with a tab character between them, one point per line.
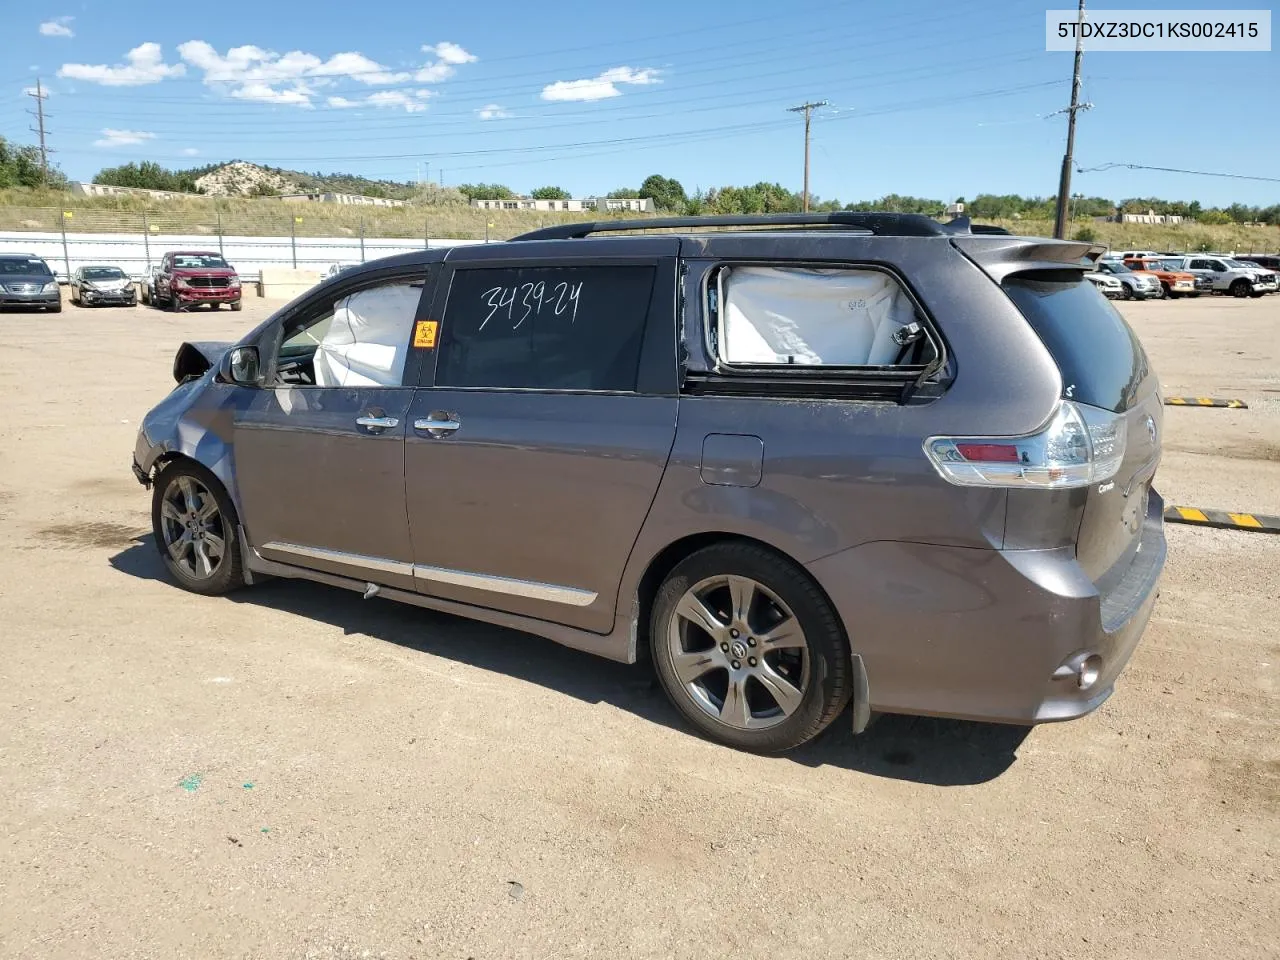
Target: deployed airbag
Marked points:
811	316
366	343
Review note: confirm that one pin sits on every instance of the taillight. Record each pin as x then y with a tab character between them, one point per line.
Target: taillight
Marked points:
1079	446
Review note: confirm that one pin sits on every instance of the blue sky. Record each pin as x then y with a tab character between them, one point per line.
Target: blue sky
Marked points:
930	99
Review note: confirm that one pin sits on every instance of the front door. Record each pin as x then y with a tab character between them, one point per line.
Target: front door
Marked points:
533	458
320	451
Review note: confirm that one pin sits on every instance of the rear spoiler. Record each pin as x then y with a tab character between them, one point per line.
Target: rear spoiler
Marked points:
1000	256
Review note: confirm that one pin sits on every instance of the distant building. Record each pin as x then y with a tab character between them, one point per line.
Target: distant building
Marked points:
635	205
1149	217
108	190
356	199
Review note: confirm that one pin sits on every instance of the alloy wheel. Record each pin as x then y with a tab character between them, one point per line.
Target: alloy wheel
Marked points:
739	652
192	528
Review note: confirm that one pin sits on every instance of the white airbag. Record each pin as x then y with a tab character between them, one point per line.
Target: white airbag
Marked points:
811	316
366	344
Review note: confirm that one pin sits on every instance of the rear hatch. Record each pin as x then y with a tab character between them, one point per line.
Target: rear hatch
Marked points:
1103	366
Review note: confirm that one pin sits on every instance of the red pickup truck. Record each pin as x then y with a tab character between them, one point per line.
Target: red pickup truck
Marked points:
189	277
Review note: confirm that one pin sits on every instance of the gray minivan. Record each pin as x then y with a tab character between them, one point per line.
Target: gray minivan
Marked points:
799	460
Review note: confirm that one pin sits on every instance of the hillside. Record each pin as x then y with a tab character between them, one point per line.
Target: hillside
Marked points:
239	178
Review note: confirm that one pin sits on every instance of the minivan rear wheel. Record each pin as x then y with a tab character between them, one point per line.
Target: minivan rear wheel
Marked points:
748	649
194	523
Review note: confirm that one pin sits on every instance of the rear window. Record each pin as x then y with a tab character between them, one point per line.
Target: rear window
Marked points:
1101	359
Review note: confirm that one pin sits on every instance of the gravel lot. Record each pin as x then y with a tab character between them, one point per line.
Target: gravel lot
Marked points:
295	772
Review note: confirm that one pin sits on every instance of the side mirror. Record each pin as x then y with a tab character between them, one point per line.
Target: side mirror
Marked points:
241	366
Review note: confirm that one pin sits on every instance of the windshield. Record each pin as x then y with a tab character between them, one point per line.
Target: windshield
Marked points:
1240	264
103	273
185	261
25	268
1171	264
1112	267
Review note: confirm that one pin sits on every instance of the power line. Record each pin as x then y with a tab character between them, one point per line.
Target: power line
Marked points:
1198	173
807	109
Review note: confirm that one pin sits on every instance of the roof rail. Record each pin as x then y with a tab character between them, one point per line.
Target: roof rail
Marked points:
881	224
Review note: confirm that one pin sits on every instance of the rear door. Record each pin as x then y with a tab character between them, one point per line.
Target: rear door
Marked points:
320	451
1103	365
548	411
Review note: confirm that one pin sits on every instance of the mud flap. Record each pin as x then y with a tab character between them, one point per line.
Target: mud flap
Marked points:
861	696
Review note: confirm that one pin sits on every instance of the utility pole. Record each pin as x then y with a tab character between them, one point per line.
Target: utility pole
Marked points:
40	97
807	109
1064	181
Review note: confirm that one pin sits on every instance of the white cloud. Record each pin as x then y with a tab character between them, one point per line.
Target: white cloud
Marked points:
342	103
57	27
299	95
411	102
32	91
144	64
122	138
250	73
358	67
190	152
448	52
449	56
492	111
599	88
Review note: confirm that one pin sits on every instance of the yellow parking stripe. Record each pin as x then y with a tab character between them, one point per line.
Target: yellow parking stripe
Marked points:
1177	401
1245	520
1205	401
1191	513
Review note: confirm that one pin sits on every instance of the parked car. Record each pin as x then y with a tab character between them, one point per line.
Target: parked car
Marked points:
27	281
1270	261
148	283
595	439
1138	284
1174	283
1108	284
1269	279
98	285
186	278
1229	276
1130	254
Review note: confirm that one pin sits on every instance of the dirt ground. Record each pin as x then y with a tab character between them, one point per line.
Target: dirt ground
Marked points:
294	772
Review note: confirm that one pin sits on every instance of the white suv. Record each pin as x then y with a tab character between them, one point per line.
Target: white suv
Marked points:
1236	277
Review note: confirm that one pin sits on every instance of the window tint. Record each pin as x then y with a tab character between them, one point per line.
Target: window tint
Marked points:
24	267
1200	265
361	341
545	328
1101	360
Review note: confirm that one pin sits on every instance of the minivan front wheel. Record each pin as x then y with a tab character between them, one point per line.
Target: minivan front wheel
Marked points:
194	523
748	649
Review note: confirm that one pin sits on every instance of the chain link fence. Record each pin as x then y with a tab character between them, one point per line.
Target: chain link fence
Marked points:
302	236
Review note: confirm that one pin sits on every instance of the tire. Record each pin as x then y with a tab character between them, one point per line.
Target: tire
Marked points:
779	589
181	495
171	304
1167	292
236	305
145	296
1128	292
1240	288
75	298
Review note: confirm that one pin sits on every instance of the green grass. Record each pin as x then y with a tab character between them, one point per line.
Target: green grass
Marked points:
31	210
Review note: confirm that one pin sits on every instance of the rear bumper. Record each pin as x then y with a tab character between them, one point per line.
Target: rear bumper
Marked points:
990	635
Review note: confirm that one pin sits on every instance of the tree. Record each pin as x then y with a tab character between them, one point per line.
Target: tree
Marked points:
550	193
623	193
20	167
486	191
148	176
667	193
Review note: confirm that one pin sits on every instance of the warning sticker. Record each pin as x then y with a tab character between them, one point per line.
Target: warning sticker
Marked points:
424	333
